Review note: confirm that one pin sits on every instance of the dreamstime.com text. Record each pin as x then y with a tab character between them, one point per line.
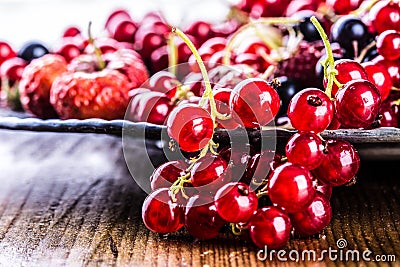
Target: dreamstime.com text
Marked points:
334	254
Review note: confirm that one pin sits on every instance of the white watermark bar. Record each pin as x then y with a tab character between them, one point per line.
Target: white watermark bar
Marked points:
340	253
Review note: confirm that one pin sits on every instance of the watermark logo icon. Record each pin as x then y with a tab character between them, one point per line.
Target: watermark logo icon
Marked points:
341	243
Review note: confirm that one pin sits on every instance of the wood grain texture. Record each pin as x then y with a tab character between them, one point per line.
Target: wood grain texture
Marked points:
69	200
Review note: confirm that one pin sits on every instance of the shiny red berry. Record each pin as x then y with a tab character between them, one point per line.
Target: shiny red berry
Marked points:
388	44
160	214
270	227
385	15
291	187
166	174
209	171
305	149
357	104
236	202
310	110
201	217
191	126
314	218
380	77
254	103
340	164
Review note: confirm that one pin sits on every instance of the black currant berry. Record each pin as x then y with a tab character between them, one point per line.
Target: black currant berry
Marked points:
306	27
288	88
352	34
32	50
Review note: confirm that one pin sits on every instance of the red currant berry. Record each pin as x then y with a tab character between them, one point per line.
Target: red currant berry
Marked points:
71	31
348	70
166	174
385	15
343	7
254	103
314	218
291	187
388	44
209	169
270	227
191	126
160	214
6	52
380	77
392	66
310	110
221	97
390	115
357	104
236	202
325	189
258	167
201	217
305	149
12	69
340	164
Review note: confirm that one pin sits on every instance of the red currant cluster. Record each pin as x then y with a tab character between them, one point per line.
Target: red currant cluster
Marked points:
208	191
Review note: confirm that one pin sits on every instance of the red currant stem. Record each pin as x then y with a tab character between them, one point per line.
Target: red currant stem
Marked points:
268	73
329	63
262	192
172	54
274	44
395	89
237	14
396	102
178	185
237	229
97	51
365	50
364	8
208	93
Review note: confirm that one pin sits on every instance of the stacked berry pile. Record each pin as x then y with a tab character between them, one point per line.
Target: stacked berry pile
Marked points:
308	65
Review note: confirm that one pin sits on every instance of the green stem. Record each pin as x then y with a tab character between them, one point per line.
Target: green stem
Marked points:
172	54
329	63
97	51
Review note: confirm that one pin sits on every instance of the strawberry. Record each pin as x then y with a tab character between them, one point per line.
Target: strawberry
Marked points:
37	79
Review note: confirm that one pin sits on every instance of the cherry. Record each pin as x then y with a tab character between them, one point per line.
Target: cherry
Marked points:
159	59
343	7
348	70
306	149
164	82
124	31
149	37
200	29
166	174
210	171
388	44
191	126
340	164
314	218
221	97
380	77
351	33
310	110
385	15
152	107
254	102
71	31
68	50
291	187
32	50
160	214
235	202
357	104
6	52
201	217
270	227
392	66
390	114
12	69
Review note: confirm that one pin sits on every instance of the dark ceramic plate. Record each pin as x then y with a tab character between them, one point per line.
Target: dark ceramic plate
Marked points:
376	144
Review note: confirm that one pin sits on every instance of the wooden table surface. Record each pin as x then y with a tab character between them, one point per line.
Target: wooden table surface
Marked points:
69	200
